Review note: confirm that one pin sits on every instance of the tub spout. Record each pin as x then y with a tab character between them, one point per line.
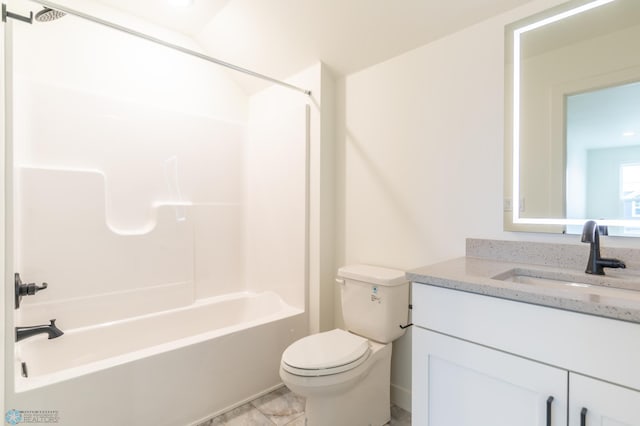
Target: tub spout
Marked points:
51	330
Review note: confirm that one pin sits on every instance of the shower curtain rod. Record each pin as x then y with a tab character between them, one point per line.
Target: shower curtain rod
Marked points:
167	44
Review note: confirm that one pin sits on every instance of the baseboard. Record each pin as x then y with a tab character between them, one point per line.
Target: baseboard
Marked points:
401	397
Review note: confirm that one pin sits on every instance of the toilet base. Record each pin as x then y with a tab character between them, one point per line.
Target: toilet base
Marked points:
365	404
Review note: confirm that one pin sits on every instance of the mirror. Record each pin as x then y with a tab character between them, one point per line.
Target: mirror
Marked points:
572	127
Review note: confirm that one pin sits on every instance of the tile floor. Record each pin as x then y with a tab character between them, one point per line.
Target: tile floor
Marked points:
282	408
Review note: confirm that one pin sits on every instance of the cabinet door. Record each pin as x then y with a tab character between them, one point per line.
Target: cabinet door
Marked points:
606	404
463	384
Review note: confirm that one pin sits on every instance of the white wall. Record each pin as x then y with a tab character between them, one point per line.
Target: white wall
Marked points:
603	180
420	157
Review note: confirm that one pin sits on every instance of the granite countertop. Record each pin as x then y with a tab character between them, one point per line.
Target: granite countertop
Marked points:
615	295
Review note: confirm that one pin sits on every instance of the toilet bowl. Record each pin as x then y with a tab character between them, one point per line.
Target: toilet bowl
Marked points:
345	382
345	374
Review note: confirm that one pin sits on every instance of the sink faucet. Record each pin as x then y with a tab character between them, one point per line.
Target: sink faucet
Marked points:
596	264
51	330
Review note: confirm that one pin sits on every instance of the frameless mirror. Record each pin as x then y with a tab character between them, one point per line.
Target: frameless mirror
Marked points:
572	150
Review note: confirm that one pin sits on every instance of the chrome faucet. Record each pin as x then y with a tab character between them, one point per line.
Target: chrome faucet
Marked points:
596	264
51	330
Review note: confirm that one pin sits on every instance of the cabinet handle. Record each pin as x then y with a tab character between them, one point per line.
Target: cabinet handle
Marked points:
549	401
583	416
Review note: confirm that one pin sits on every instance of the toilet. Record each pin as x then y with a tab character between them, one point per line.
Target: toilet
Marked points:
345	374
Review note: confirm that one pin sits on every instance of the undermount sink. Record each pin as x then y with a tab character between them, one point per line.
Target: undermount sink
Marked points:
567	283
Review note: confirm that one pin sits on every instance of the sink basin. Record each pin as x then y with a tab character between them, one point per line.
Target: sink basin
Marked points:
576	286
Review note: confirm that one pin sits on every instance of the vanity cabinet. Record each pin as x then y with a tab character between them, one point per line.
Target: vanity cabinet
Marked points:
484	361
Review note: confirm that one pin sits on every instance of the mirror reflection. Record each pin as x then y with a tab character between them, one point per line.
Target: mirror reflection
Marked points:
603	153
574	123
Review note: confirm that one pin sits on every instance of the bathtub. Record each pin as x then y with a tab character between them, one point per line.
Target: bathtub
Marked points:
177	367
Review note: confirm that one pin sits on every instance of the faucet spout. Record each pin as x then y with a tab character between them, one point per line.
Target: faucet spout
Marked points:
26	332
596	263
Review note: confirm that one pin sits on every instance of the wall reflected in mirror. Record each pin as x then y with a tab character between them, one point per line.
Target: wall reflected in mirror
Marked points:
603	154
573	118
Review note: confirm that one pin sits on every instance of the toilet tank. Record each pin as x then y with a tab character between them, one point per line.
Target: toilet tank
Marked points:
375	301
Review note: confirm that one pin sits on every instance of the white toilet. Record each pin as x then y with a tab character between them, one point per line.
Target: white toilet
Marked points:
345	375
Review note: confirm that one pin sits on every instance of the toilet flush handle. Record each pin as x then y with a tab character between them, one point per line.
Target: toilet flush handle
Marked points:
339	281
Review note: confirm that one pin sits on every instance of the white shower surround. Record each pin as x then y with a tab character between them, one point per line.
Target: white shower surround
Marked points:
159	206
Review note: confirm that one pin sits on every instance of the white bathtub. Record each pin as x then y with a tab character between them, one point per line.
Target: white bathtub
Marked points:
175	367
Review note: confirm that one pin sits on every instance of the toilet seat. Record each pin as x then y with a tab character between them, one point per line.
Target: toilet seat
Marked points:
327	353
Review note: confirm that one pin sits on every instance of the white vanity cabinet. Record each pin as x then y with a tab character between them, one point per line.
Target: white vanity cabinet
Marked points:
485	361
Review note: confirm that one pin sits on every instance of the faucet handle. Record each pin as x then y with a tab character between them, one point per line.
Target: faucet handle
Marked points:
25	289
32	288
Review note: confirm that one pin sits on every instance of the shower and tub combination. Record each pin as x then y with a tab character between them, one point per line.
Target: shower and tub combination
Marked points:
165	209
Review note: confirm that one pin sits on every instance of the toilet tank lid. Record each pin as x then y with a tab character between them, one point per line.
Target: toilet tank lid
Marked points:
373	274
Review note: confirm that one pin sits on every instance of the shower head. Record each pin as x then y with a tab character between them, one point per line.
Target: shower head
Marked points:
47	14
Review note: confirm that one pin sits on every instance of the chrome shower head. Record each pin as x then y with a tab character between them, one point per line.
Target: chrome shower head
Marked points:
47	14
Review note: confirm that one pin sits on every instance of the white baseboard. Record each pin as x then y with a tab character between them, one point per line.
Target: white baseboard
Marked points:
401	397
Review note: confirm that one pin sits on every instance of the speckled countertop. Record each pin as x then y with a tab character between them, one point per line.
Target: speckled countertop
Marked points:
549	275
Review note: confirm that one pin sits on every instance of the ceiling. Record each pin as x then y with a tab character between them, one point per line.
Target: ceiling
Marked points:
281	37
188	20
